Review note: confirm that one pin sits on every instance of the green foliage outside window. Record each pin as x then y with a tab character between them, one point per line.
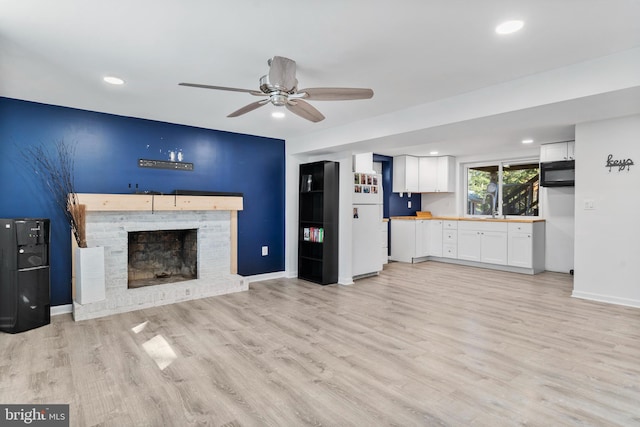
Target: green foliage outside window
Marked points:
519	190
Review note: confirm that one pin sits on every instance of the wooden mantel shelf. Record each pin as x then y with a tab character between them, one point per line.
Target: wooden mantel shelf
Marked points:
153	202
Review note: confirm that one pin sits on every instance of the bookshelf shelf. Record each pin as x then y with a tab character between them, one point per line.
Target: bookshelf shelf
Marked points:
318	222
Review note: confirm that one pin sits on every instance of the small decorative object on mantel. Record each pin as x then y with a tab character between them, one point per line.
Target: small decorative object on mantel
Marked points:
620	164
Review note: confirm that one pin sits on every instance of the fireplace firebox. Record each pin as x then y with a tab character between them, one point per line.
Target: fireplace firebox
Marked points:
161	256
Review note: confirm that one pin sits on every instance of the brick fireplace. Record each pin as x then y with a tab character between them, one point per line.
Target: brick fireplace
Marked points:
213	223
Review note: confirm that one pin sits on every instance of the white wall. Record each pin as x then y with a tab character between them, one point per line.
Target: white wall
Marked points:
440	204
292	186
607	256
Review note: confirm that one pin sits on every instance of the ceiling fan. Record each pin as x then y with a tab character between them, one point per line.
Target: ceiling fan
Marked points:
280	87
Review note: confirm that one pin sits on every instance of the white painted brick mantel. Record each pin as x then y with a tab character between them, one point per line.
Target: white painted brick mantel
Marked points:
110	230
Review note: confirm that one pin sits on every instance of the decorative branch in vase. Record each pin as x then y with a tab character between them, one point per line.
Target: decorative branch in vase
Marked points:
54	164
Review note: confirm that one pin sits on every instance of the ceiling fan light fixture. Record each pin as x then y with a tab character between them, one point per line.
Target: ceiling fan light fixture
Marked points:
278	99
278	114
509	27
112	80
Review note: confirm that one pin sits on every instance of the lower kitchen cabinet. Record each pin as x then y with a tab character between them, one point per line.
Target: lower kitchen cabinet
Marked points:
434	237
469	245
450	239
412	238
494	247
513	246
526	245
483	241
404	240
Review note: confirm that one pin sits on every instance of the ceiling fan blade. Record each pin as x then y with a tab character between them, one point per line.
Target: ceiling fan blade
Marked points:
336	93
248	108
230	89
282	73
304	110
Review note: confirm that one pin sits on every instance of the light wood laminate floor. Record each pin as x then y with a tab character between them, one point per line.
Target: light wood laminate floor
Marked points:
426	344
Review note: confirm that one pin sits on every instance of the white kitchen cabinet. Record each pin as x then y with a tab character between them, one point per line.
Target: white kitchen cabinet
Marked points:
515	246
405	240
469	245
446	174
437	174
450	239
406	171
557	151
434	237
409	239
493	247
526	245
402	249
571	150
520	250
483	241
428	174
422	238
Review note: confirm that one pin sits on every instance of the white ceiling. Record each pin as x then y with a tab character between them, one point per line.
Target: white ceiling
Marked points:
411	53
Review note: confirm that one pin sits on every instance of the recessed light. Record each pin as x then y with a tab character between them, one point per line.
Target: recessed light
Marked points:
433	153
113	80
277	114
527	141
509	27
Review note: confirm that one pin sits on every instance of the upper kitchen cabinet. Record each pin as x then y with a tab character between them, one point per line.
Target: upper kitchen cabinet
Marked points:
406	174
557	151
437	174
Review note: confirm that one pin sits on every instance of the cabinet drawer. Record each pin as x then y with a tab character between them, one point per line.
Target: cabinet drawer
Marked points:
482	225
520	227
450	237
449	251
450	225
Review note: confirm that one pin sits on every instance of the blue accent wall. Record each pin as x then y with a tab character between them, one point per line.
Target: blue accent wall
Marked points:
107	152
394	205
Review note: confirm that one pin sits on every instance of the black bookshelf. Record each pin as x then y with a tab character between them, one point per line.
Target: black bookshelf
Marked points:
318	222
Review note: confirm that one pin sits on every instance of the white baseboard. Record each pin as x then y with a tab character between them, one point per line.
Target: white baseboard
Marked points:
606	298
265	276
345	280
61	309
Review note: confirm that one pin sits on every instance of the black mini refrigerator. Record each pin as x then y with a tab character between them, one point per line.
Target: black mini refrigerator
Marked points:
24	274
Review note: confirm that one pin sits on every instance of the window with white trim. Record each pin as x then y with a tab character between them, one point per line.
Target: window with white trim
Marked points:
503	188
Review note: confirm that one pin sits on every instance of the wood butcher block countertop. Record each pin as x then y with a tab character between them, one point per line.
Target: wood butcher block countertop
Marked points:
458	218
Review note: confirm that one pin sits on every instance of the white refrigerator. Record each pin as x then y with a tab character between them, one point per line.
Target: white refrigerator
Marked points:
367	224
